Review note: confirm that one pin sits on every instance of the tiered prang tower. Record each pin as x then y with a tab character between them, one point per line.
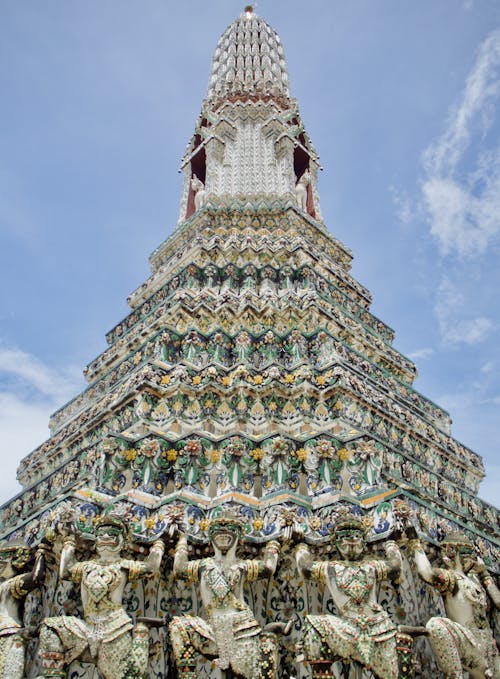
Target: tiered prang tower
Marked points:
249	373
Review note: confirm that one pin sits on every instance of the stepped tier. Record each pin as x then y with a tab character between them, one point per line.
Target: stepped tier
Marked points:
288	350
183	397
251	328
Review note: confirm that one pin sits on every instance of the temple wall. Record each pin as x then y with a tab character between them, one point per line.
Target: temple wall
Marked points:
409	602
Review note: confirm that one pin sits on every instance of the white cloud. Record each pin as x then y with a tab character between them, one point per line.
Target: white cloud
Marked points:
481	88
455	325
30	393
460	220
405	210
488	367
495	400
32	373
23	426
421	354
463	207
460	400
470	331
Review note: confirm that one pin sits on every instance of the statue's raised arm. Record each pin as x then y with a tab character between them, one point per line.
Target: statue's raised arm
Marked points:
185	568
487	581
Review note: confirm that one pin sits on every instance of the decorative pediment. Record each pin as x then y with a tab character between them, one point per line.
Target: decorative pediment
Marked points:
225	129
273	127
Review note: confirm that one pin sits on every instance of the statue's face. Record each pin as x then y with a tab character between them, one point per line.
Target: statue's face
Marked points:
109	540
350	544
224	539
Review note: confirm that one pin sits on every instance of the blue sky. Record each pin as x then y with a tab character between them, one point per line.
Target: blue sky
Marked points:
99	100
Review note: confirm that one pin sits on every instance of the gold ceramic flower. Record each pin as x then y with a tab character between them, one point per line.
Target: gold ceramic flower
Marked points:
344	454
171	455
257	454
301	454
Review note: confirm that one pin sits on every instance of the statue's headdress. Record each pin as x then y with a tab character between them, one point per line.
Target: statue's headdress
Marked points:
226	521
16	554
114	521
458	541
349	524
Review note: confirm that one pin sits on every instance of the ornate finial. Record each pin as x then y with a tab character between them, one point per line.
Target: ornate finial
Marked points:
233	73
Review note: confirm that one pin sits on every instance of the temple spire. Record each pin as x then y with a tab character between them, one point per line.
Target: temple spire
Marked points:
249	146
249	60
